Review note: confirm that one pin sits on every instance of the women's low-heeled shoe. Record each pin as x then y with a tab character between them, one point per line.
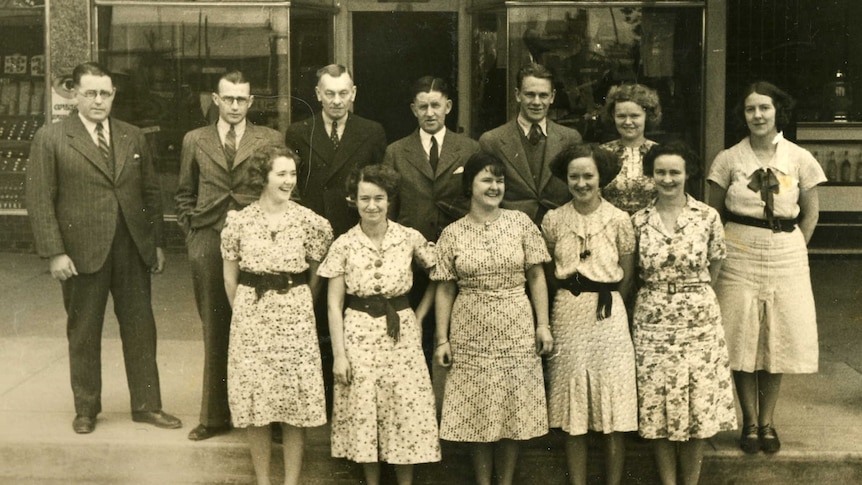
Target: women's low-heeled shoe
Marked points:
750	439
769	441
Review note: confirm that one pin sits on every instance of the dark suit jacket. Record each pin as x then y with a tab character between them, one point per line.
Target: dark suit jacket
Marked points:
323	171
207	189
428	201
522	192
73	199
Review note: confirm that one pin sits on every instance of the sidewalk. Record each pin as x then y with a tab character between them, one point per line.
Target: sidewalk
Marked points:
819	416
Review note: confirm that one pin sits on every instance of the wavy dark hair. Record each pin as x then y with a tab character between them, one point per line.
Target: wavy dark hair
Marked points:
260	164
783	102
646	98
607	162
676	147
378	174
475	164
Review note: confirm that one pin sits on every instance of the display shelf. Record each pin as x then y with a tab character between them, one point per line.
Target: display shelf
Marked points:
838	149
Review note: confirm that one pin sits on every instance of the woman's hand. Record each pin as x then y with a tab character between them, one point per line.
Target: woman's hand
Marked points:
544	340
443	355
342	371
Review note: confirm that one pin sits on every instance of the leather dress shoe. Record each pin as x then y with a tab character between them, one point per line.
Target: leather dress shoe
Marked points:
769	441
84	424
750	439
202	432
159	419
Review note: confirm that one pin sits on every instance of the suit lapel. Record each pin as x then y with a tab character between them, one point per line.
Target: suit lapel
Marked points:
320	145
415	154
82	142
350	141
247	144
553	145
211	145
450	154
122	144
517	157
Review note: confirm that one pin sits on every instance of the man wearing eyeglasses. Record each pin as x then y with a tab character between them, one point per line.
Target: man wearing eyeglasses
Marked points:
213	181
94	203
331	144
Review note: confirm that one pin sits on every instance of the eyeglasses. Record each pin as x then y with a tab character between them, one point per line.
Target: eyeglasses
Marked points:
92	94
239	100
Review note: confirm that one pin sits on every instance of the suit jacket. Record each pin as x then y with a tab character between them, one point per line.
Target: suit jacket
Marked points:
428	201
522	192
74	197
207	189
323	171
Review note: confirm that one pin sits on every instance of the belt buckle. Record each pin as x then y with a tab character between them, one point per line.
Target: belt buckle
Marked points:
671	288
776	225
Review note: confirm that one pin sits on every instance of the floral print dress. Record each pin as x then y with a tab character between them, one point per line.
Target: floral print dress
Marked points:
631	190
274	372
495	388
684	385
387	413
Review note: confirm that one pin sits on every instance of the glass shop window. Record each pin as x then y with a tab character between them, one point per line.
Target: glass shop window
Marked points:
167	60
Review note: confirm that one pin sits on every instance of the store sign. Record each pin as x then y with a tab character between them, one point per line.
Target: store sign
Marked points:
62	97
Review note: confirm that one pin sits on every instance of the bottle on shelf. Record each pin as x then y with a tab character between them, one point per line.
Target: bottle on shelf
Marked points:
831	167
845	169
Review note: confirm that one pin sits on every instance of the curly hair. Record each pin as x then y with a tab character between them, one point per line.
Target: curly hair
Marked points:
260	164
782	101
679	148
476	163
646	98
607	162
380	175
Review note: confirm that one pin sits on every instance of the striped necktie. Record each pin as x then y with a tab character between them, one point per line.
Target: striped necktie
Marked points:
103	141
230	146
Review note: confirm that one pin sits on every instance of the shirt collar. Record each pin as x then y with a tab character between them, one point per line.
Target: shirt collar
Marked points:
653	218
425	137
328	121
91	127
395	234
526	125
780	161
223	127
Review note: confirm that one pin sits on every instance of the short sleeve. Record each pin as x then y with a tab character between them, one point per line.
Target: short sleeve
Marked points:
810	172
535	249
230	237
549	230
719	172
424	252
444	270
336	259
318	238
625	236
717	247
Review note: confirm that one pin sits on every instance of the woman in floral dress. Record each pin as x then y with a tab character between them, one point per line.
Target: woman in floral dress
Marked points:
271	251
633	108
684	387
592	373
495	395
384	403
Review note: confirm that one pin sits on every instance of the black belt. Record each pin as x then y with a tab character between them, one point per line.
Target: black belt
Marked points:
578	283
280	282
378	306
778	225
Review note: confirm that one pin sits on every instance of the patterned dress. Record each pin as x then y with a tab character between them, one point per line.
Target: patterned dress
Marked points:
274	370
592	369
631	190
387	412
684	385
495	388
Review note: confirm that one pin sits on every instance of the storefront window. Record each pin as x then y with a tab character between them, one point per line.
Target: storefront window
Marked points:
167	59
589	50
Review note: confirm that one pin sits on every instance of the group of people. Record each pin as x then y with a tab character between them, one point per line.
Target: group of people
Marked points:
527	255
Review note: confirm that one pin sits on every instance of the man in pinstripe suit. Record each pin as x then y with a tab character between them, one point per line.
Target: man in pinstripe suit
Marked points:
95	206
213	181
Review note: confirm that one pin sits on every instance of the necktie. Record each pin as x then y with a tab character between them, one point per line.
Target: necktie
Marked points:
434	154
333	135
765	182
230	146
535	134
103	141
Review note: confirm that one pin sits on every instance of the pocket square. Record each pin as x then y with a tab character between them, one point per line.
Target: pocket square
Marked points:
136	156
458	170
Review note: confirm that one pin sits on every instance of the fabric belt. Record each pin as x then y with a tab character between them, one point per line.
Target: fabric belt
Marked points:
280	282
378	306
778	225
578	283
673	287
